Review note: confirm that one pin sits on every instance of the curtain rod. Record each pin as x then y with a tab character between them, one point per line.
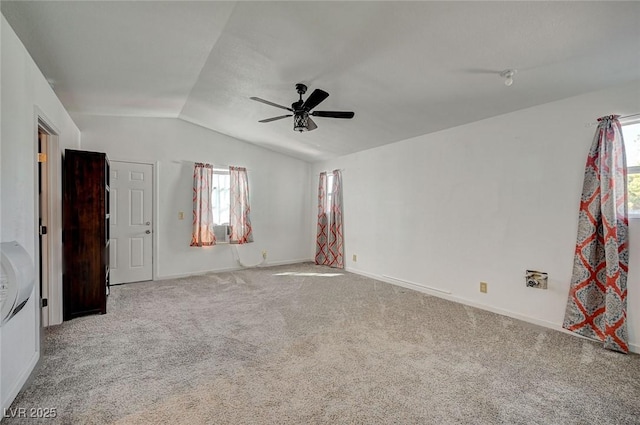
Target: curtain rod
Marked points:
595	123
221	167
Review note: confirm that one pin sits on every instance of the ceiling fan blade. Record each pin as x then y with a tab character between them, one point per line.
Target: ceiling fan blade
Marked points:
257	99
311	125
315	99
333	114
275	118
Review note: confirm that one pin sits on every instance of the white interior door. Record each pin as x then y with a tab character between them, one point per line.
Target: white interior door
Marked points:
131	212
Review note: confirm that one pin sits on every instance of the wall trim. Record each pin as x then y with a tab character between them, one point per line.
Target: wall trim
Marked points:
54	181
633	347
233	269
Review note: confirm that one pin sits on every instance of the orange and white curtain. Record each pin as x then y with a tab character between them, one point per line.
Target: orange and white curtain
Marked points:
329	237
202	234
241	231
597	304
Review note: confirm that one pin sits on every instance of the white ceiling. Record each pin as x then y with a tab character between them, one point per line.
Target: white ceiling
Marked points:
405	68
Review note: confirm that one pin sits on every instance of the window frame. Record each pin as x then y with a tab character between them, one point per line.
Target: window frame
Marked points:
634	169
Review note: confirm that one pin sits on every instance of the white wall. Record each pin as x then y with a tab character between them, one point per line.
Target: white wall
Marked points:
278	186
25	95
483	202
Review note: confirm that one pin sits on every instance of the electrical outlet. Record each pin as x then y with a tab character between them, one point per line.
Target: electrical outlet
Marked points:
264	254
180	215
355	258
483	287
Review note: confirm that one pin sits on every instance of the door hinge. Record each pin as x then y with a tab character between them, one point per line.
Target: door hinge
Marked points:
42	157
45	302
43	230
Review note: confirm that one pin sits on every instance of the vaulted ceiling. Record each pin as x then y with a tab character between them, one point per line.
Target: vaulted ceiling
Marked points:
405	68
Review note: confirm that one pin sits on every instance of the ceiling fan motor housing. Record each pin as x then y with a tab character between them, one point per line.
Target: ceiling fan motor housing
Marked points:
301	89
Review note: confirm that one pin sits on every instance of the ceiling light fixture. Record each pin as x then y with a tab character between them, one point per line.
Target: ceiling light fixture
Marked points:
508	74
301	121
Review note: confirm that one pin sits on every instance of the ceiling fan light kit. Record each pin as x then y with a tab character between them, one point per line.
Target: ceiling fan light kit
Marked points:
302	109
301	121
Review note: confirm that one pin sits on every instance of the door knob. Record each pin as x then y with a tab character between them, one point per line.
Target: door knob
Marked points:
148	232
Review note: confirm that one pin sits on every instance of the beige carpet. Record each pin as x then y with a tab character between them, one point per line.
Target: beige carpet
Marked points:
259	347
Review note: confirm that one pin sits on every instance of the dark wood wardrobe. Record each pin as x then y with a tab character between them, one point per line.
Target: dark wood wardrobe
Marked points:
85	236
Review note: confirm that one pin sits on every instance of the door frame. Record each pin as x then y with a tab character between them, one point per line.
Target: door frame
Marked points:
44	215
155	191
54	228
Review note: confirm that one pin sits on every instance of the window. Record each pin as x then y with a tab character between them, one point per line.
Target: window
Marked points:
220	204
220	199
329	192
631	135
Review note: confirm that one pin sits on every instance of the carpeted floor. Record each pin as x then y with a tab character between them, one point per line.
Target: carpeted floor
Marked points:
258	347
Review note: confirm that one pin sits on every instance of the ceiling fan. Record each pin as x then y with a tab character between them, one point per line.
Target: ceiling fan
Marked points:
302	109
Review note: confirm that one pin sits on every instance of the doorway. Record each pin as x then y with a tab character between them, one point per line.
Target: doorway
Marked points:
48	221
131	213
48	226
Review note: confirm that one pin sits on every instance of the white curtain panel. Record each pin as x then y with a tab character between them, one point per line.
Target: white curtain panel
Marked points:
241	231
202	234
322	247
336	240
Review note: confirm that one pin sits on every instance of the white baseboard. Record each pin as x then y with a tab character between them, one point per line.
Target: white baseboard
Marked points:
633	347
17	387
287	262
233	269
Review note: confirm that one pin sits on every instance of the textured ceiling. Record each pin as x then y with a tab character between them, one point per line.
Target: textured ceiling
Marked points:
405	68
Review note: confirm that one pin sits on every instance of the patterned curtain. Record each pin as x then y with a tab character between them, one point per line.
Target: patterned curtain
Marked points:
241	231
329	240
202	234
336	246
597	305
322	247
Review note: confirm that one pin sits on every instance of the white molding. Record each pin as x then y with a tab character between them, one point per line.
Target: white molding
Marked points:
287	262
43	120
54	155
232	269
156	220
633	347
408	282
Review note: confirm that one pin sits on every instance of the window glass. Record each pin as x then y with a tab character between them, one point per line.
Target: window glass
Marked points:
221	197
329	191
